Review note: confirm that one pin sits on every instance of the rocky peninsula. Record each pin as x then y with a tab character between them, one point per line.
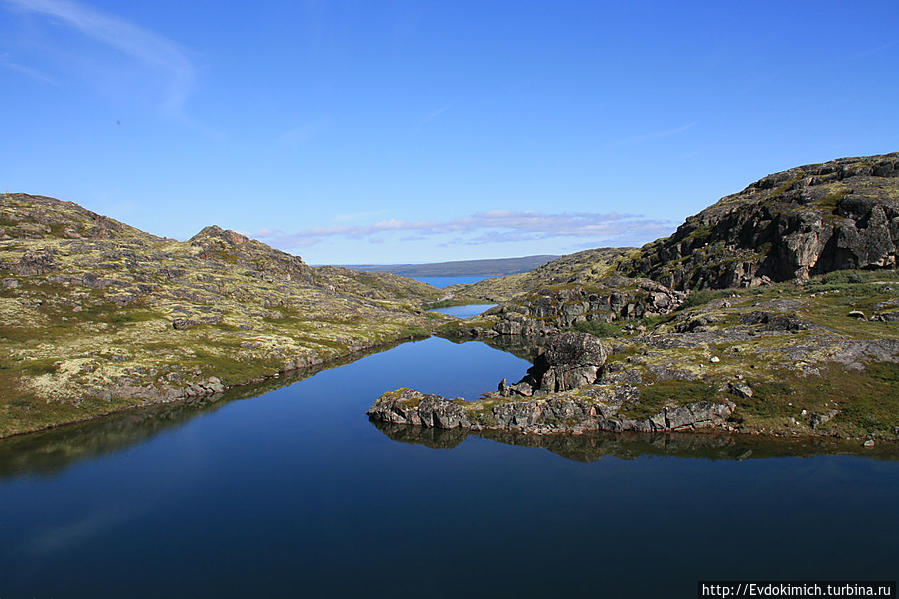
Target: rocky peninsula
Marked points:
773	311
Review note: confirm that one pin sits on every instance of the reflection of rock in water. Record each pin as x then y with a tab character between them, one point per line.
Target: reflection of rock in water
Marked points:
435	438
592	446
49	451
520	347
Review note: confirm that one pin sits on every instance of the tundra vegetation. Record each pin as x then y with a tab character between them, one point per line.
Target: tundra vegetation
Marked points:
773	311
780	302
97	316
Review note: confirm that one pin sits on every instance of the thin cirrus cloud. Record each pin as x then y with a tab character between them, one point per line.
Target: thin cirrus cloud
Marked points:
638	139
153	51
494	226
7	63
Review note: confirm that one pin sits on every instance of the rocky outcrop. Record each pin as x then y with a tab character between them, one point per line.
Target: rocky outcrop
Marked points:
790	225
230	247
599	410
549	310
568	361
38	262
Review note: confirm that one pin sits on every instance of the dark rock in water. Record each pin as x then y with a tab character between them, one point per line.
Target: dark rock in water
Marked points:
568	361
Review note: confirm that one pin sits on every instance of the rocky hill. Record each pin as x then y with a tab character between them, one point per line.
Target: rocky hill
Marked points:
777	306
96	315
791	225
788	226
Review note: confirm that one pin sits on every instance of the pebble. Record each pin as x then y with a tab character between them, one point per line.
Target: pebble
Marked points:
714	359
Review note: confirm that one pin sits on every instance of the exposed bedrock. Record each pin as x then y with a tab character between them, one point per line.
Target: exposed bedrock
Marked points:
787	226
616	298
567	362
600	409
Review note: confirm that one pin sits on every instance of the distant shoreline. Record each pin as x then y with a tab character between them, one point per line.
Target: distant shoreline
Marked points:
495	267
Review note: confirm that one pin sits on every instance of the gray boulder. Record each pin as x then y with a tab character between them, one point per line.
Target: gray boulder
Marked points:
568	361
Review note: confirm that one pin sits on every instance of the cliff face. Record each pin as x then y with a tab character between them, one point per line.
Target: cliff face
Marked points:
809	220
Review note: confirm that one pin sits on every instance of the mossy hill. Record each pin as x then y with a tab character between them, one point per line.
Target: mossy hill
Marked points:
97	316
783	299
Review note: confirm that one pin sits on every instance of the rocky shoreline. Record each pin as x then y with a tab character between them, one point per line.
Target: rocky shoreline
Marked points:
552	415
210	390
573	389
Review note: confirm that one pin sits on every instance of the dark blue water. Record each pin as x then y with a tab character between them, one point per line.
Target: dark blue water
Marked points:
447	281
296	494
464	311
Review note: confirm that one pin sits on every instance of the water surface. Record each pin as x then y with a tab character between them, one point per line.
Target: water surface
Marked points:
296	493
466	311
447	281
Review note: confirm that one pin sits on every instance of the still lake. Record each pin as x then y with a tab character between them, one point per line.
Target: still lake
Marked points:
466	311
295	493
447	281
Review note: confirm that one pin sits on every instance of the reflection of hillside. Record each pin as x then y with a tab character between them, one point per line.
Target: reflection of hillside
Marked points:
593	446
517	345
50	451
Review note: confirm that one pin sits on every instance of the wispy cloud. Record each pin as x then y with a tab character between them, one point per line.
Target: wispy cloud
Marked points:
303	134
357	216
7	63
146	47
638	139
435	114
494	226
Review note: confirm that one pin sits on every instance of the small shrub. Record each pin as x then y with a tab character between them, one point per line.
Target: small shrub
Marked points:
598	328
703	296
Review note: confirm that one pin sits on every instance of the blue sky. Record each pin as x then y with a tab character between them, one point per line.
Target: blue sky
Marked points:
367	132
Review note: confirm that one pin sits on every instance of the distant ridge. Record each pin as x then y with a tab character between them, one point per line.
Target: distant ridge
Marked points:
489	268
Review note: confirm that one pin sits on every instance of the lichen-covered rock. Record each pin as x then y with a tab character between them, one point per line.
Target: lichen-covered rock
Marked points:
599	410
791	225
547	310
38	262
568	361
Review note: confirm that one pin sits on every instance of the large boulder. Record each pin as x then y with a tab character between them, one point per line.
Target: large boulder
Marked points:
568	361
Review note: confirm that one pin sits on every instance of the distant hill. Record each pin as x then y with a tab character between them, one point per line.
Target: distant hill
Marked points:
489	268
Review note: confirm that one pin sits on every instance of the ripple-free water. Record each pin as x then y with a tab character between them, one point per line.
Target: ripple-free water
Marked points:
296	493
